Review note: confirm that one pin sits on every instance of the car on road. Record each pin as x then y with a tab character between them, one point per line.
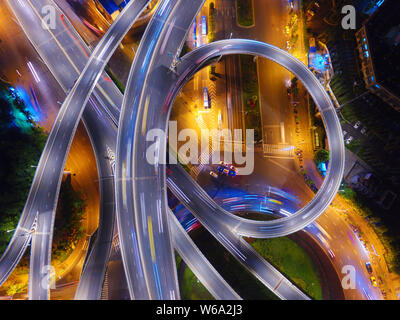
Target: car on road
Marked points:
364	131
373	281
225	171
357	124
349	139
369	267
206	98
231	167
310	12
213	174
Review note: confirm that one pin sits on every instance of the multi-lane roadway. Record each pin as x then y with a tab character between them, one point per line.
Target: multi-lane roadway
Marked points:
148	181
56	47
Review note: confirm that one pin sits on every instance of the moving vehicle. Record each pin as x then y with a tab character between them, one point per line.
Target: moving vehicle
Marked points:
349	139
331	253
195	29
373	281
204	25
227	171
97	30
206	98
274	201
369	267
213	174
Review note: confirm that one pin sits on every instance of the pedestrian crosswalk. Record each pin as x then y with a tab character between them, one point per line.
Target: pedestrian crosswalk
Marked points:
212	91
285	151
226	11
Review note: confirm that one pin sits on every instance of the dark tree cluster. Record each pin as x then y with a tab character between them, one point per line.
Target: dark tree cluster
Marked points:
19	151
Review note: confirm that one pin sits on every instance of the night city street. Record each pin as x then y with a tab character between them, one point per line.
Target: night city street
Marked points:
202	150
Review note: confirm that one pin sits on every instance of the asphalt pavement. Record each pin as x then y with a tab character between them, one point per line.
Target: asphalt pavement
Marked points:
145	199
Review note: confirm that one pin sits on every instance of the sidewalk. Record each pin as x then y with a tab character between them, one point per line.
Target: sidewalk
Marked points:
375	248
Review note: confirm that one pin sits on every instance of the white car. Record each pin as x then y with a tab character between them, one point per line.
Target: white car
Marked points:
364	130
344	133
231	167
357	125
213	174
349	139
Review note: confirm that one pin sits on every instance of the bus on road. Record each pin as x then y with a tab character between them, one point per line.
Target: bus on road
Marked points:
207	104
204	25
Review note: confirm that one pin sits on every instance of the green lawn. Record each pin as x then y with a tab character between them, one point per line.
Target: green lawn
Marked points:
192	289
68	228
244	10
293	261
240	279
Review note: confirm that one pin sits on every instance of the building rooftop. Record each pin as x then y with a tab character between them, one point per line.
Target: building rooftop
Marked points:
383	32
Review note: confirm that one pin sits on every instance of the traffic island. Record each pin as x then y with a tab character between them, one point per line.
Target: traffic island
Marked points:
68	227
245	13
250	94
293	261
302	260
211	23
240	279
